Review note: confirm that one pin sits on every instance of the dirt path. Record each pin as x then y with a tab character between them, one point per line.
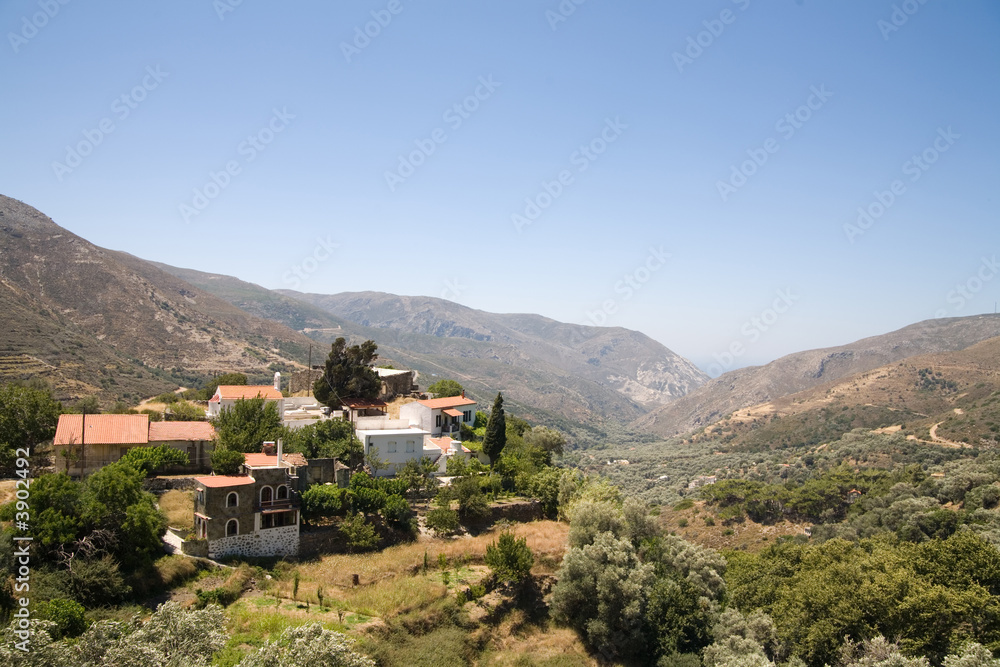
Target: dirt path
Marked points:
942	441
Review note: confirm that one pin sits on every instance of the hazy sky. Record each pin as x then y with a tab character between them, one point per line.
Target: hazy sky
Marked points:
691	170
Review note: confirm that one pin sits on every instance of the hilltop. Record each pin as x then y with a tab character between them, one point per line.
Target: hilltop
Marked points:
797	372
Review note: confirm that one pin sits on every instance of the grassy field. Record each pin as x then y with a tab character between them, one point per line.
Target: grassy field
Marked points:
178	506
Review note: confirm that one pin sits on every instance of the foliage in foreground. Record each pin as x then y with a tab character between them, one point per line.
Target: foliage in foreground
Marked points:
173	636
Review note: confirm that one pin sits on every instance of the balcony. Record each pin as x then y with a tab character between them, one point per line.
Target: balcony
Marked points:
277	505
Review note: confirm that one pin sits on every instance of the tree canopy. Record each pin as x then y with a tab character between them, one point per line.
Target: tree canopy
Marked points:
348	374
445	388
247	424
28	417
496	431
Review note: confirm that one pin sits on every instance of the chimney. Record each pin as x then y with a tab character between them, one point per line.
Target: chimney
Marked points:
280	447
463	393
268	448
277	381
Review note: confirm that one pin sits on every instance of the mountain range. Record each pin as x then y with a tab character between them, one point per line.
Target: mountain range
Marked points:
98	321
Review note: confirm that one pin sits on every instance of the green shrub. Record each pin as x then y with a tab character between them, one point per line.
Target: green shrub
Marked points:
442	520
226	461
509	558
68	615
397	513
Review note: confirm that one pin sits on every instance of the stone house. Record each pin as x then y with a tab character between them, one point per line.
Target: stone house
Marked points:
253	514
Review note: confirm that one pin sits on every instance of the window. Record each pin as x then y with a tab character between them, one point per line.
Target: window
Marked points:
201	496
437	420
467	415
232	527
282	492
410	446
266	495
277	519
392	446
232	500
203	528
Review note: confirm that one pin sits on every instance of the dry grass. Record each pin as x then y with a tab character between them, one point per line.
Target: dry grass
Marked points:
7	490
178	506
546	539
387	585
555	647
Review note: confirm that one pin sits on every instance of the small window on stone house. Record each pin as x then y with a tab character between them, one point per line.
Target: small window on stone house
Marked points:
232	527
233	499
282	492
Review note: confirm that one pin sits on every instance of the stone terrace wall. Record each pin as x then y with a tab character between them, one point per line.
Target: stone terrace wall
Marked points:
283	541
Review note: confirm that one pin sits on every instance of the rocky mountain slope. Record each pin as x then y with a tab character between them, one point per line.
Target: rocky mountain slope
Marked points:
796	372
627	361
97	320
546	380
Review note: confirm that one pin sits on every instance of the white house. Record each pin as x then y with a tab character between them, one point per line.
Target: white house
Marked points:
226	395
440	416
395	445
446	448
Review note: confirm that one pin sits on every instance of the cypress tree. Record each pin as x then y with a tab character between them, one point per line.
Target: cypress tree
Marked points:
496	431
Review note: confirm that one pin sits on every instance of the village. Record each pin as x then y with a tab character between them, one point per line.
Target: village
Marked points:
256	510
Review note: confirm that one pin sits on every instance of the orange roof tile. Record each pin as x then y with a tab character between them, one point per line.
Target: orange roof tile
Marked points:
449	402
256	460
218	481
103	430
451	412
233	392
186	431
444	443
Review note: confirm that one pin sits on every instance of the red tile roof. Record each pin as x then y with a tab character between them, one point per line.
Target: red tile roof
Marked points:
451	412
445	444
233	392
103	430
450	402
219	481
186	431
271	460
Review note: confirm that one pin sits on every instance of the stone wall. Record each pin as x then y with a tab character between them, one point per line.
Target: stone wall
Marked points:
169	483
303	380
282	541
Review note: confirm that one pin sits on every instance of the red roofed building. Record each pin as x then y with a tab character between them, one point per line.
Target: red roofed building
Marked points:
84	444
440	416
252	515
226	396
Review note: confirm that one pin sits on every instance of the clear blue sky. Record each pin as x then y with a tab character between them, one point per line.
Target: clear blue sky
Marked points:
676	118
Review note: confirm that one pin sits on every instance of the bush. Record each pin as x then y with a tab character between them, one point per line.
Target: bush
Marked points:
226	461
397	513
358	533
68	615
148	459
442	520
509	558
324	502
